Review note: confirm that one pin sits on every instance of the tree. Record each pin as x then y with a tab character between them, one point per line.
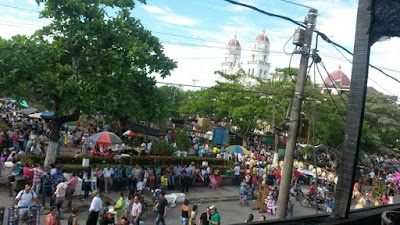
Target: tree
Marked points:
381	119
288	72
94	62
182	141
172	97
230	101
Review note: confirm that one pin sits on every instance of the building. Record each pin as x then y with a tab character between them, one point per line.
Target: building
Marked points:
231	63
336	83
258	65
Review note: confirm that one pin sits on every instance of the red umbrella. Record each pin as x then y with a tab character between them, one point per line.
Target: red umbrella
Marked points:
105	138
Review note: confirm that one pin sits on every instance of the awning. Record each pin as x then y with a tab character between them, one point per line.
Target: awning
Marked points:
29	110
47	114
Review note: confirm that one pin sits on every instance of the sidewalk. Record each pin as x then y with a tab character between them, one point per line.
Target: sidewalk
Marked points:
195	194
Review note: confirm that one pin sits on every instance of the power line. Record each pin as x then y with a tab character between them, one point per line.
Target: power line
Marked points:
323	36
330	95
19	24
351	62
15	7
340	95
267	13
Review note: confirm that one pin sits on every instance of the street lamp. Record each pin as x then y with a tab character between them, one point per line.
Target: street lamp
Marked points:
194	84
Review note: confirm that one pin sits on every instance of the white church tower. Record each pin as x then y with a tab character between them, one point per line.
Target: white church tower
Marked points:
231	62
258	65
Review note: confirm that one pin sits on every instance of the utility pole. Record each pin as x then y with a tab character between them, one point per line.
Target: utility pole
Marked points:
295	116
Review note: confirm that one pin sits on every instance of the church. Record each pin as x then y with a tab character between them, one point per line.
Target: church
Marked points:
257	65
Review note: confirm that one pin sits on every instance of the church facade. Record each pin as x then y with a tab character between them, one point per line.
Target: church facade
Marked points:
256	65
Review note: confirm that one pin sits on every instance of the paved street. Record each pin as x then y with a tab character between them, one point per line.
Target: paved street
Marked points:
223	198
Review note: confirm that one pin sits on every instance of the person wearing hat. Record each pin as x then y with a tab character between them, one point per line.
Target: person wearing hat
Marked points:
215	218
95	207
109	218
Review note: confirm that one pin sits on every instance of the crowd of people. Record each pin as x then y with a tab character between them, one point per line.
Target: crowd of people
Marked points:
53	187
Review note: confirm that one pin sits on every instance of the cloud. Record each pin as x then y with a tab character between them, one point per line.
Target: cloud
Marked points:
166	15
32	2
194	63
13	25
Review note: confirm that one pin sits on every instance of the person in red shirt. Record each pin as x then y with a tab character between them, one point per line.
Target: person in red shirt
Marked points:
108	153
296	175
51	218
311	192
385	199
278	177
15	141
27	171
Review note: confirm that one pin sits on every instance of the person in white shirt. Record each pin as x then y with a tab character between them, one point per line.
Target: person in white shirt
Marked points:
95	208
108	173
136	211
24	198
236	172
371	177
148	148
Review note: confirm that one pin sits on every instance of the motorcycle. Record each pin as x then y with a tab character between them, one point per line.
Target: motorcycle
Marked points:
298	194
309	201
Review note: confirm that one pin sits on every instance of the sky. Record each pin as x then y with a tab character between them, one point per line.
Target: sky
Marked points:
195	32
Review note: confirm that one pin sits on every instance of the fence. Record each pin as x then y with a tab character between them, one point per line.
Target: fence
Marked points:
24	216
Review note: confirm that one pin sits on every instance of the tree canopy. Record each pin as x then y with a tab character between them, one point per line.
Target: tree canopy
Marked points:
93	56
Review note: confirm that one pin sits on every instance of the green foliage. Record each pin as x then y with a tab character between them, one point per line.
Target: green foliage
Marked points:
232	102
172	97
288	72
98	60
182	141
162	148
382	113
307	150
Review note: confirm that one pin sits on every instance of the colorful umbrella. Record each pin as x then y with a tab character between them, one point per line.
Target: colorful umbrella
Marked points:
22	103
72	123
131	133
238	149
105	138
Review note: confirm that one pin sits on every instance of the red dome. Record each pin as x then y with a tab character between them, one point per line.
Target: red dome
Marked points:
262	37
234	42
338	78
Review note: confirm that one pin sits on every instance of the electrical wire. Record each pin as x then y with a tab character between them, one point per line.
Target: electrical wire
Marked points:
325	38
340	94
267	13
290	63
330	95
313	121
284	46
351	62
322	35
15	7
18	24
